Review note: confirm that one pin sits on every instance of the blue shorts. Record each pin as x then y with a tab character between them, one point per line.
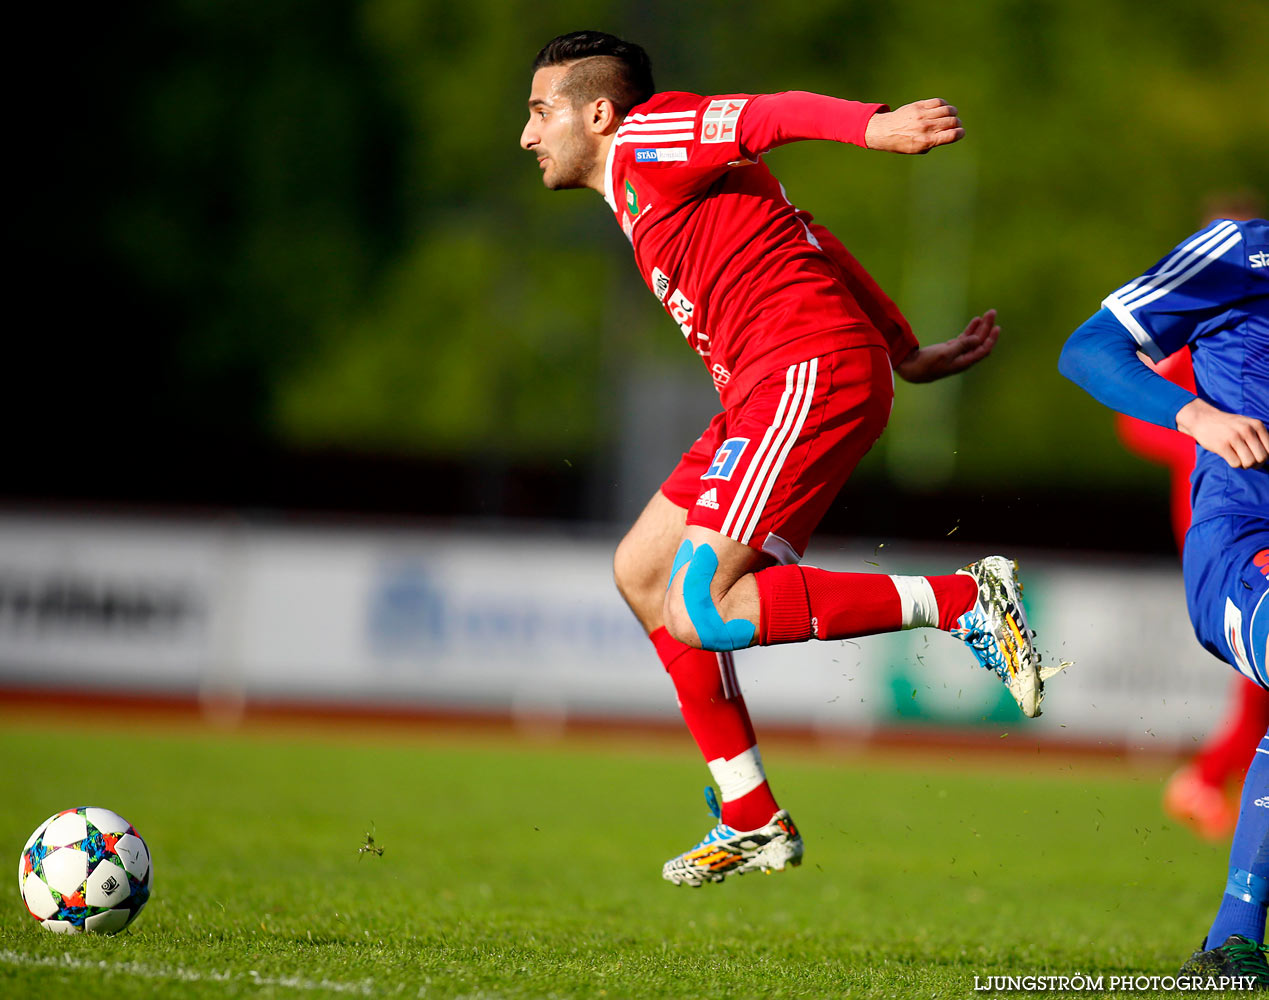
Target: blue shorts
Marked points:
1226	579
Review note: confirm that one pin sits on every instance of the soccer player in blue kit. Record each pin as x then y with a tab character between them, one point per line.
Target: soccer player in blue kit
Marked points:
1210	296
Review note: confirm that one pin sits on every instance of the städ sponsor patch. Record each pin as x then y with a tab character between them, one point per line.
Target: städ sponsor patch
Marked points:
667	155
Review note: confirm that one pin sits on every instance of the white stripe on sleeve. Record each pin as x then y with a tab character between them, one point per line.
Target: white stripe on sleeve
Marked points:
670	125
654	139
657	115
1183	265
1200	244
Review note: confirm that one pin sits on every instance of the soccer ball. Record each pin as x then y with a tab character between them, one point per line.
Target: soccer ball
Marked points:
85	869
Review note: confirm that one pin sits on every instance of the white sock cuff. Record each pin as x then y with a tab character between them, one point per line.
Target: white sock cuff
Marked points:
920	608
738	776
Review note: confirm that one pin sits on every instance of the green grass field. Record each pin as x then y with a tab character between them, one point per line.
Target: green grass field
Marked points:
520	869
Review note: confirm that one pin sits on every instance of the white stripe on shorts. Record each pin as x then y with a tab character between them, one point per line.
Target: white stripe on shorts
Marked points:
762	448
1259	657
764	468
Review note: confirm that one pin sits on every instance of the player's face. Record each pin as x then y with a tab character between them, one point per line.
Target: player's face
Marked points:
555	133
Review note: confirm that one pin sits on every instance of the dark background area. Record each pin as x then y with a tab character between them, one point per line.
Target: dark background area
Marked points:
289	258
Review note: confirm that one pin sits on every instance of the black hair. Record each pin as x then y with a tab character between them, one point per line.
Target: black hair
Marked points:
601	65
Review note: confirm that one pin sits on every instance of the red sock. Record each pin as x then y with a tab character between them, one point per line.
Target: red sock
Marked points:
1231	748
712	707
797	603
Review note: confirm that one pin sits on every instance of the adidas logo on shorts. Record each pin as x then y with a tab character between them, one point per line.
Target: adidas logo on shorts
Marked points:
709	498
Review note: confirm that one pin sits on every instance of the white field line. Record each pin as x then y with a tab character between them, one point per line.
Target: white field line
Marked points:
365	987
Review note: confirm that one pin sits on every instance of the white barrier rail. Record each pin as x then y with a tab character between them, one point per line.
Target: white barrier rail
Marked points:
531	623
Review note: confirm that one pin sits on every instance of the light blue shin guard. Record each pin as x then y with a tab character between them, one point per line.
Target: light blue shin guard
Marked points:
715	634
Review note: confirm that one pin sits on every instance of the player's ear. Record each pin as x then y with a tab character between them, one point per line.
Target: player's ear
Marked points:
603	117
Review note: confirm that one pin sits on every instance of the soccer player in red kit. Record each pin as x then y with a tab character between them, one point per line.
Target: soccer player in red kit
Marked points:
801	345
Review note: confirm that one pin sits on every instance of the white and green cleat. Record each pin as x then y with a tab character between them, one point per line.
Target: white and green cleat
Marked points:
726	851
996	631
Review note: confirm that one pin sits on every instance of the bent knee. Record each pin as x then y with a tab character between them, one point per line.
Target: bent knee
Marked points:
642	586
689	610
677	618
631	571
623	568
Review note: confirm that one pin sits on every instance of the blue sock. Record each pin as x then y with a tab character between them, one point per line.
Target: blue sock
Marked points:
1242	908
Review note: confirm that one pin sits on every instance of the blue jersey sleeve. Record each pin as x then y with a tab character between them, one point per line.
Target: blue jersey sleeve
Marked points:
1190	288
1101	358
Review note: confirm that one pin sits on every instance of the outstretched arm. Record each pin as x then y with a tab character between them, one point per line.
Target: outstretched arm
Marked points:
1101	358
771	120
970	346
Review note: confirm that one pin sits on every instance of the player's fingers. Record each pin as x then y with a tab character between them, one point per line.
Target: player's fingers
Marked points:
965	345
1262	432
930	102
933	130
970	358
946	136
989	340
1242	455
966	361
973	352
980	326
973	331
1257	448
1227	451
991	332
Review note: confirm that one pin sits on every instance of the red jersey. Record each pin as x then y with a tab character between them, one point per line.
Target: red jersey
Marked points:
752	282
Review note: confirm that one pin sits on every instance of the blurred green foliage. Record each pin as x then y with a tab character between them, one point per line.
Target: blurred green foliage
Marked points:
331	239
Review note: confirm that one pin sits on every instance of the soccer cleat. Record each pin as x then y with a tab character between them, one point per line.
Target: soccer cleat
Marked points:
1199	804
1238	956
995	629
725	851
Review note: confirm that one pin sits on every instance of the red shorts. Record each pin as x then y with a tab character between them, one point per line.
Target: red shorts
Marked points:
766	471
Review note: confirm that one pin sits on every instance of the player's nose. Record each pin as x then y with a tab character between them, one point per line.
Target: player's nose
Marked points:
528	137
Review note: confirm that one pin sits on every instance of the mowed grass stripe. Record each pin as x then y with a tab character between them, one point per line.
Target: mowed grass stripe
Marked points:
526	870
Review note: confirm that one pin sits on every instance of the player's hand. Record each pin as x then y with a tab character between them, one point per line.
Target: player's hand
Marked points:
914	128
925	364
1242	441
